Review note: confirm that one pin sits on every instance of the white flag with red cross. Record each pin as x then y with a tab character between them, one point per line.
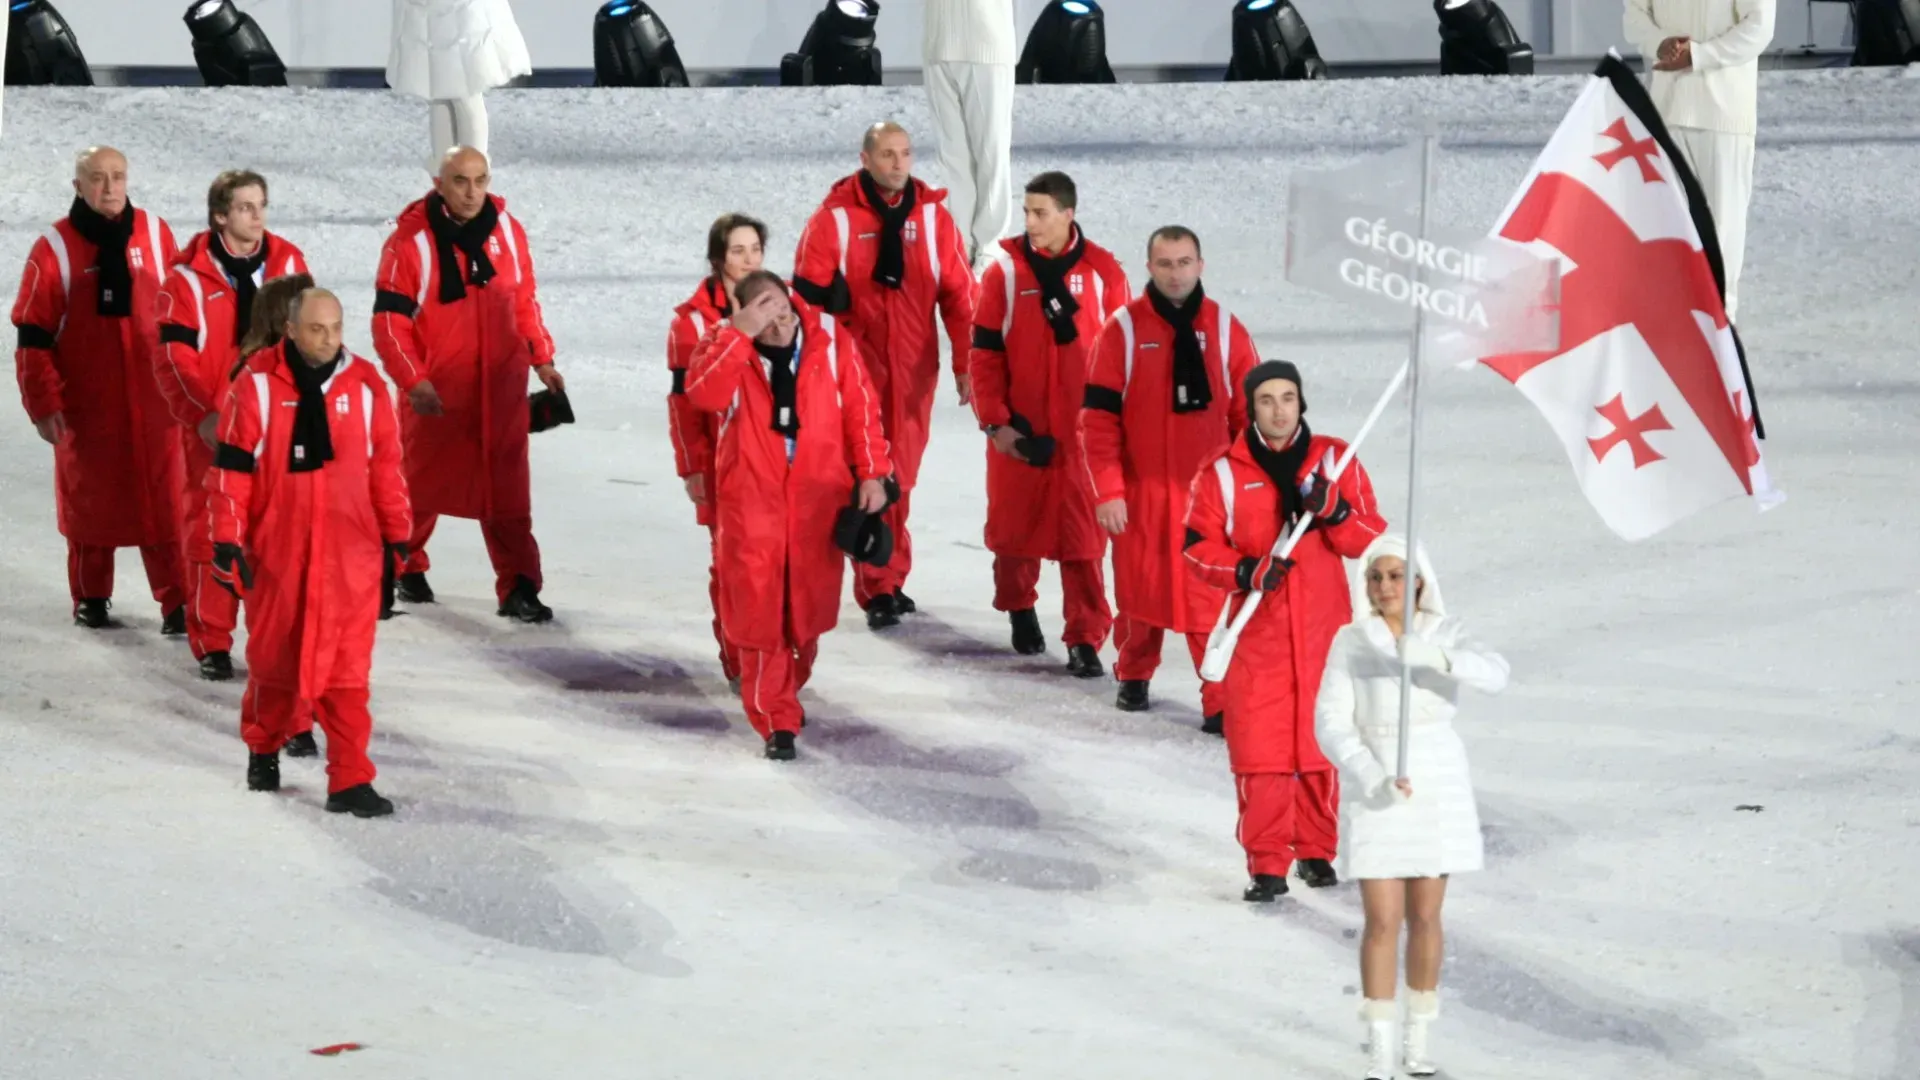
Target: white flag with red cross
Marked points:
1648	390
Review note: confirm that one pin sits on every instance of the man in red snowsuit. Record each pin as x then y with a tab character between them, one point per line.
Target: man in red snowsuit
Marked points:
736	247
206	309
1160	402
1041	303
880	255
305	502
799	442
1244	500
85	317
456	321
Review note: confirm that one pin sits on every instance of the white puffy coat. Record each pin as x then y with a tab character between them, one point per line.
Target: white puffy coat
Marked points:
1357	720
446	50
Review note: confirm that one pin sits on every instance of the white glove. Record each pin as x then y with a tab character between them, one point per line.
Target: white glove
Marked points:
1418	652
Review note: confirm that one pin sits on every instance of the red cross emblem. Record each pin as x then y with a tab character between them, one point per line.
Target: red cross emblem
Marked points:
1643	151
1631	430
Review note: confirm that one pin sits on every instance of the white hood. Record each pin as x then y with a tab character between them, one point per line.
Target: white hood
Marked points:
1394	544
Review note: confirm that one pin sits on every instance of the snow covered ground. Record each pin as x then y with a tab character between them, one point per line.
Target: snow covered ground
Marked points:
979	868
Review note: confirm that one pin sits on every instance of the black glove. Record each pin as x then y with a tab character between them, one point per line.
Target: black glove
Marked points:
395	555
230	569
1325	503
1262	575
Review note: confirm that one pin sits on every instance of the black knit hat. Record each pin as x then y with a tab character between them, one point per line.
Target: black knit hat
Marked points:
1273	369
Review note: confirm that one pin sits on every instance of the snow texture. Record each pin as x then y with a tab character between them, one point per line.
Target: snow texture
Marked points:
979	868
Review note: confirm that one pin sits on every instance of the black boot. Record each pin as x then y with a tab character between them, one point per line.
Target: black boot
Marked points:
263	772
1027	638
903	604
360	801
523	603
1132	696
174	623
1083	662
216	667
1317	873
413	588
92	614
780	747
883	611
1266	888
301	745
1216	724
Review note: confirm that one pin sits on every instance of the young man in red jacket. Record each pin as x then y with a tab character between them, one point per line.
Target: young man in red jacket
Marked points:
799	442
1160	402
306	503
881	256
456	321
206	309
1041	302
736	247
85	317
1245	500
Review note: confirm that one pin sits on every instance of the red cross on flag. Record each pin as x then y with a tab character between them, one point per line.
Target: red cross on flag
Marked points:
1648	390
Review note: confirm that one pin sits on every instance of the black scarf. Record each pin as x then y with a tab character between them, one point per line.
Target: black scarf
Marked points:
113	275
312	435
240	271
781	362
1283	468
454	240
1056	300
890	267
1191	391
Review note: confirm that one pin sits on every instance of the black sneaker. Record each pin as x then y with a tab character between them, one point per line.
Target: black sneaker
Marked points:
1216	724
1317	873
1265	889
1027	638
263	772
216	667
1132	696
360	801
1083	662
301	745
92	614
174	623
413	588
780	747
883	612
523	603
903	604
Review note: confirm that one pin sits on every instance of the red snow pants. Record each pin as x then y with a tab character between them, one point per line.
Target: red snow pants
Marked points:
871	581
729	659
269	716
1288	816
212	612
1083	583
770	685
90	573
1139	646
510	545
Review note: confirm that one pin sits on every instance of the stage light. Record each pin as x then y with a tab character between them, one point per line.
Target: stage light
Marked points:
1068	44
631	47
1477	38
839	48
1271	41
230	48
1887	33
41	48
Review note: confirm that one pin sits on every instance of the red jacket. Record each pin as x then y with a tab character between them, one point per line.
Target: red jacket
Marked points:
1139	449
833	271
776	515
693	430
1275	674
315	540
472	461
198	349
1019	369
117	475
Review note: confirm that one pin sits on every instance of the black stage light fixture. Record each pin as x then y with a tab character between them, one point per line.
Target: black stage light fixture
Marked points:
1477	38
839	48
41	48
230	48
1271	41
1887	33
631	47
1068	44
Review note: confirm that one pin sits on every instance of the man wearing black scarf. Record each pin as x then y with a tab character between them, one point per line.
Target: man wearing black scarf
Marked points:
85	320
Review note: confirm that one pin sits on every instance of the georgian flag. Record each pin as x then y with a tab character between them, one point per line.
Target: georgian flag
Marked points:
1649	391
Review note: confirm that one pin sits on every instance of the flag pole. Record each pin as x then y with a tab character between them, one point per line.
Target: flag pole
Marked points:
1429	146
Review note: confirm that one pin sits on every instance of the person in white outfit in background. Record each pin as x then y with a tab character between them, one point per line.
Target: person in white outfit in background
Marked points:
1401	838
1705	56
968	53
452	52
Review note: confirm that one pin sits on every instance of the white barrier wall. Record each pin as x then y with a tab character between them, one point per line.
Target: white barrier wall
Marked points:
727	34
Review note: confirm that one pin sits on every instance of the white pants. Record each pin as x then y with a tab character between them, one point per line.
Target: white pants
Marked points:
973	117
462	122
1724	165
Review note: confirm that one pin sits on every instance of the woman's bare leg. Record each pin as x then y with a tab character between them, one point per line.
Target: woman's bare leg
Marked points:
1425	942
1385	903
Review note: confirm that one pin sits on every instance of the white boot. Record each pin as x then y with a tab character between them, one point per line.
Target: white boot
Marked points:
1380	1016
1423	1008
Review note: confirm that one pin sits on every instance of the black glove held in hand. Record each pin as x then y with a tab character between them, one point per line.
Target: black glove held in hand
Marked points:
1326	504
1263	575
230	566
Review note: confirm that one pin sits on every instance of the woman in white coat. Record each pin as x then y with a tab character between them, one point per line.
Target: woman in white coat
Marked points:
1401	838
451	52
